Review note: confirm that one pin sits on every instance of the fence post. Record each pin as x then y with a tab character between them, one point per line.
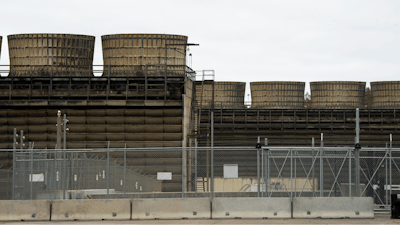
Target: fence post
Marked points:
321	168
390	169
183	172
291	175
386	175
313	165
195	169
357	153
14	166
262	172
125	172
64	156
31	176
212	154
267	168
55	172
295	175
349	172
108	170
258	166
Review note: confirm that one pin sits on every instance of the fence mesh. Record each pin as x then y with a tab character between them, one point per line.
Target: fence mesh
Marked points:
201	172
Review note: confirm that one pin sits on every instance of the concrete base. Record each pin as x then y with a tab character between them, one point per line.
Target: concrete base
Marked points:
171	208
251	208
335	207
27	210
91	209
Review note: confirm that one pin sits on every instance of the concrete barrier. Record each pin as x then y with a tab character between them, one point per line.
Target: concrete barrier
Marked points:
334	207
91	209
24	210
171	208
228	208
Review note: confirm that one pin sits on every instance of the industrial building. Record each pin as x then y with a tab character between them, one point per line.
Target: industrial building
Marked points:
148	97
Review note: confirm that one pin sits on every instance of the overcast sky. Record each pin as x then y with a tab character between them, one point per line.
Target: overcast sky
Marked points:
297	40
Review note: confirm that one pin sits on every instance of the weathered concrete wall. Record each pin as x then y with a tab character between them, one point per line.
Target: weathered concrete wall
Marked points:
171	208
251	208
91	209
338	207
11	210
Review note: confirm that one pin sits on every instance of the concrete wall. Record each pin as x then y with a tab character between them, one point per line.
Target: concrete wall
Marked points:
338	207
171	208
17	210
186	208
96	209
228	208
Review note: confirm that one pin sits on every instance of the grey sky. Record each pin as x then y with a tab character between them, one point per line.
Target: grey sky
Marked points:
298	40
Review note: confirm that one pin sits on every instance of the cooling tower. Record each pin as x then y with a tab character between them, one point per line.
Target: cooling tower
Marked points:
227	95
128	54
277	95
337	94
57	55
385	95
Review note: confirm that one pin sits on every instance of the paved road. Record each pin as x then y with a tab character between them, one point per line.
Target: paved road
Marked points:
237	221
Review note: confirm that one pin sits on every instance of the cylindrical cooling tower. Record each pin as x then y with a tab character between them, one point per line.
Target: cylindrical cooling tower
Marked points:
337	94
227	95
385	95
51	54
128	54
277	95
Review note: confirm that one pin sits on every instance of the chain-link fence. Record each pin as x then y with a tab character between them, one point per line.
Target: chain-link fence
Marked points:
202	172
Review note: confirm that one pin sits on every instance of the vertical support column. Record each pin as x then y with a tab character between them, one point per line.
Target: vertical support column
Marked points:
21	140
55	173
183	172
165	83
145	79
295	175
386	175
258	166
64	174
349	173
357	153
313	165
321	168
357	174
65	132
125	172
31	175
266	168
195	169
108	171
64	177
291	175
390	169
262	172
59	129
212	154
14	162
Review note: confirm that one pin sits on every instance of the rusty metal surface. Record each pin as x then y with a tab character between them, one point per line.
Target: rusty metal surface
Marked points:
226	95
50	54
337	94
129	53
277	95
385	94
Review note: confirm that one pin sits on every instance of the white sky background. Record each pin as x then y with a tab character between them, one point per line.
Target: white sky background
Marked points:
292	40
